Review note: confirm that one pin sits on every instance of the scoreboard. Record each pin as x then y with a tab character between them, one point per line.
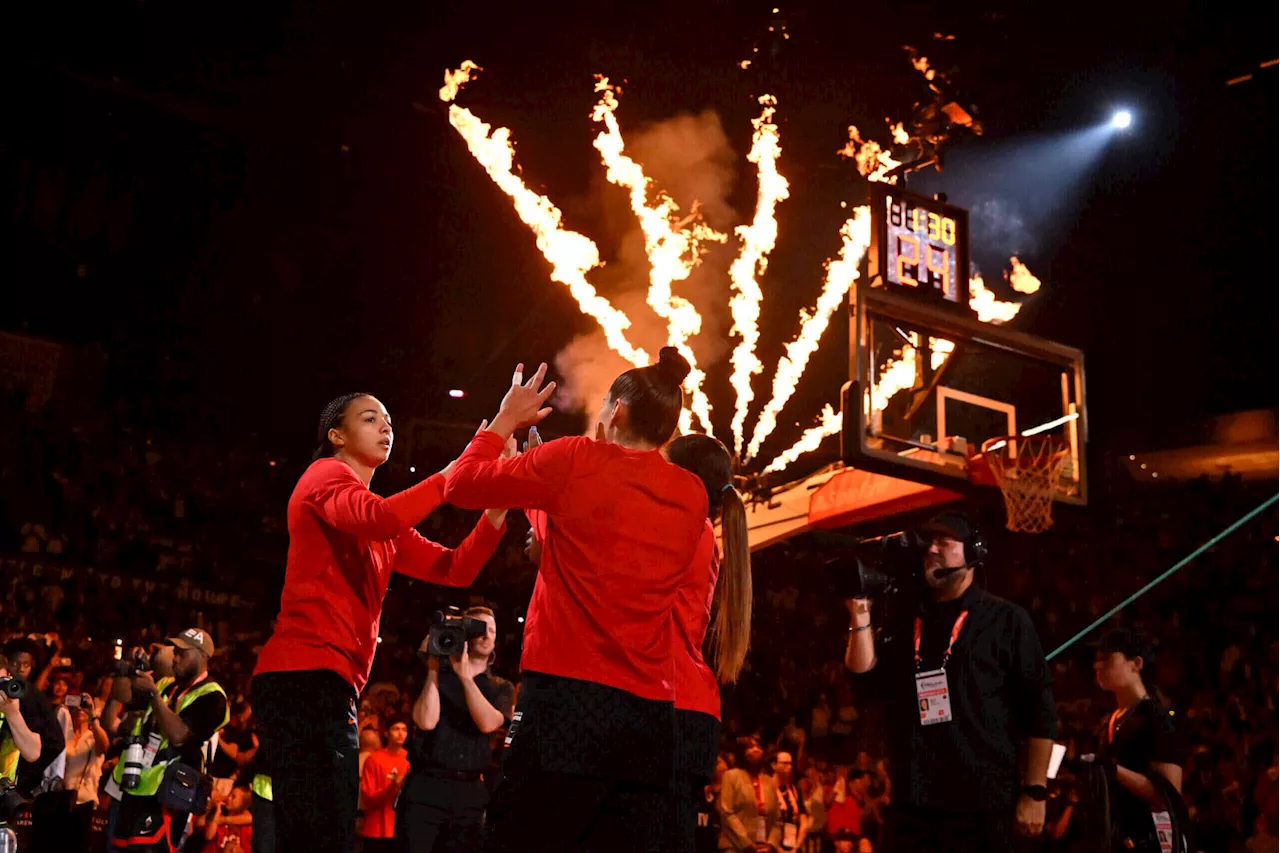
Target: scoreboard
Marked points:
919	246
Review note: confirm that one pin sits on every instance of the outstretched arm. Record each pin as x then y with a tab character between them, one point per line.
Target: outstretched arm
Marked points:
419	557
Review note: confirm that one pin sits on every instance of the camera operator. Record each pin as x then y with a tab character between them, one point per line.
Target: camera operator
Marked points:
164	726
30	735
965	684
460	707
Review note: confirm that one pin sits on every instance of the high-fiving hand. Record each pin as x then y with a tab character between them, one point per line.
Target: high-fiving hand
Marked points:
523	406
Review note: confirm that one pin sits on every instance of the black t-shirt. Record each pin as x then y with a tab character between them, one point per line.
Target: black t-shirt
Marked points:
456	743
203	717
224	766
1001	693
40	717
1145	734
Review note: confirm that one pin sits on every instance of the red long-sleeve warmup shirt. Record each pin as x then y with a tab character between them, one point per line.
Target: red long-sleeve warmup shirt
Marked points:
622	529
696	686
344	542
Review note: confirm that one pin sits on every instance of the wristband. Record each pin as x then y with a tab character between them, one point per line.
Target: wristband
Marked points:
856	628
1038	793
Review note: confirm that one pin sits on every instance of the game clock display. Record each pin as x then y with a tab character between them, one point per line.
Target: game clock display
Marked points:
919	245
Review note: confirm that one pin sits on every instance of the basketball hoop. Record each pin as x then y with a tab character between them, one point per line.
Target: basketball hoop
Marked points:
1027	470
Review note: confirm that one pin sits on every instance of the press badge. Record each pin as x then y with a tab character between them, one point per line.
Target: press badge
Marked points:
1164	830
933	697
149	752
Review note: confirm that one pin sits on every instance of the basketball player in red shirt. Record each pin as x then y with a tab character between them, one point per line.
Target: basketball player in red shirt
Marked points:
595	725
344	542
727	582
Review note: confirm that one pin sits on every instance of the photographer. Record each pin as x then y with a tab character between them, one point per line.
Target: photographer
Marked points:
30	735
966	685
164	727
460	707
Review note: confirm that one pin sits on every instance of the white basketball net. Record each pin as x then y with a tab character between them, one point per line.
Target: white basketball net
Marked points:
1027	470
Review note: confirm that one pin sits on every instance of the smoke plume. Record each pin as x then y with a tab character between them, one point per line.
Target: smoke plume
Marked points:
688	157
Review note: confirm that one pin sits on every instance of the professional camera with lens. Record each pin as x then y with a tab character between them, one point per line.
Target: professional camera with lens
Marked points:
131	761
11	802
139	662
450	631
883	568
14	688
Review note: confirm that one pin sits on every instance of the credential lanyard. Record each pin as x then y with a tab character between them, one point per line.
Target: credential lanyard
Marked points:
1113	723
955	634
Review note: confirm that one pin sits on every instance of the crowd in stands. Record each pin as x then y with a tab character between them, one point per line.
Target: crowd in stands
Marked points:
112	533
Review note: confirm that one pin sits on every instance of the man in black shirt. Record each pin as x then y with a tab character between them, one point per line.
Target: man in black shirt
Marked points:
460	707
966	686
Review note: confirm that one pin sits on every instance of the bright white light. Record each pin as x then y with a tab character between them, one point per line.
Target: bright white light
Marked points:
1122	119
412	470
520	619
457	394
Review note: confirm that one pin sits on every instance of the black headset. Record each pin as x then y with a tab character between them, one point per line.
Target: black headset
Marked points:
975	548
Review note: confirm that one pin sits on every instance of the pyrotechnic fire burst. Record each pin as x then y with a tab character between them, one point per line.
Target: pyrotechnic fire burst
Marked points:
758	240
674	246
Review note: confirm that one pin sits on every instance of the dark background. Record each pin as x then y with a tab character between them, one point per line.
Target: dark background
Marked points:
247	208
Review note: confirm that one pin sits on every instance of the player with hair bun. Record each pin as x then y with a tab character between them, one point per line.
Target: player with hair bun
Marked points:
590	754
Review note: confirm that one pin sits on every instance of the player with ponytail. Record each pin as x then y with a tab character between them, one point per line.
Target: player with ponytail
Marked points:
595	725
715	582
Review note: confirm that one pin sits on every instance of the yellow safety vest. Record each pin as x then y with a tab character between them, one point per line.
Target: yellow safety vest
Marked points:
262	786
154	775
9	756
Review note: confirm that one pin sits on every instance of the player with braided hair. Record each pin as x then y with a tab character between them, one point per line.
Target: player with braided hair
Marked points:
344	542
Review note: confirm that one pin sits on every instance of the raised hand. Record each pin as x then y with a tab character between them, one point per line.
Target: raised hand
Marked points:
523	406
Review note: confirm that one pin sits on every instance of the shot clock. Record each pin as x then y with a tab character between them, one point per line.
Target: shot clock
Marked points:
919	246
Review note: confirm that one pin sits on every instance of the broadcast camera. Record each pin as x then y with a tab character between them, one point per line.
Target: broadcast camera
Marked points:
450	631
882	568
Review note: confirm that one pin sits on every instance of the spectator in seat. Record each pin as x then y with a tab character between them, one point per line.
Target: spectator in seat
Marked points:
229	823
794	814
380	783
237	745
749	807
849	805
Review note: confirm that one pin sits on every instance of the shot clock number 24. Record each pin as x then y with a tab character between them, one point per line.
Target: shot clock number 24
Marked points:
922	248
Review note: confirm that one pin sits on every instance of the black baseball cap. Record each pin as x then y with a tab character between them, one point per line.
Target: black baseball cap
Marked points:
1128	642
952	523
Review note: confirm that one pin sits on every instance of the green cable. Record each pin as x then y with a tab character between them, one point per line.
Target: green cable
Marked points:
1178	565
